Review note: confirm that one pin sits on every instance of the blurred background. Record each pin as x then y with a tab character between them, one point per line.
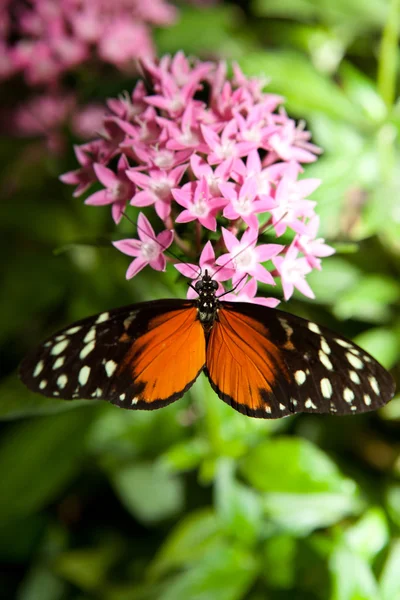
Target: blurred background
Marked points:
195	501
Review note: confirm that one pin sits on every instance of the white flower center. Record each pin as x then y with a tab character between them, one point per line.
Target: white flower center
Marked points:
226	150
164	159
200	208
243	260
161	188
150	250
243	205
119	190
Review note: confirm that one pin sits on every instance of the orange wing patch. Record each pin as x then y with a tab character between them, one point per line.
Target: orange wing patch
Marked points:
165	360
245	368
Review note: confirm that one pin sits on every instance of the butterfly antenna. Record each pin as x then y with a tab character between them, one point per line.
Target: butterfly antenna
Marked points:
233	288
230	260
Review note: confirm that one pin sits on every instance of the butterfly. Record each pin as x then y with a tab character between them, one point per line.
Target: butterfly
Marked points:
261	361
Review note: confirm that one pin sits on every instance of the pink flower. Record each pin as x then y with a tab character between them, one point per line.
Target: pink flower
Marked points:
291	203
148	250
293	271
312	247
118	188
291	143
247	293
244	202
156	188
245	256
224	146
123	40
213	177
195	197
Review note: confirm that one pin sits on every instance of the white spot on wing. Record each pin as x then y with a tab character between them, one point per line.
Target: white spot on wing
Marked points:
300	377
343	343
38	368
42	384
62	381
282	406
314	328
326	387
135	400
354	377
129	319
286	327
367	400
90	336
110	367
58	362
122	396
84	375
325	347
309	403
348	395
73	330
103	317
58	348
374	384
86	350
354	361
325	360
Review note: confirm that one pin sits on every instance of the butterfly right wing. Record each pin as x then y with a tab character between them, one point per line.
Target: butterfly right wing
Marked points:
267	363
140	356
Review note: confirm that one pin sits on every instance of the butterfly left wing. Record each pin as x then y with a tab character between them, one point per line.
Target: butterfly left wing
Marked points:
140	356
267	363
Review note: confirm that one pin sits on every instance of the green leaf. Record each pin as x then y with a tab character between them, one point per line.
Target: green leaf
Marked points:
389	581
87	567
354	14
336	276
238	507
292	465
299	514
382	343
280	556
362	91
393	503
42	583
149	491
200	30
369	535
303	489
186	455
352	577
192	538
226	573
38	458
307	91
369	299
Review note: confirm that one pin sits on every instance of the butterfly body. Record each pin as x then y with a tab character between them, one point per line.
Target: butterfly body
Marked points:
261	361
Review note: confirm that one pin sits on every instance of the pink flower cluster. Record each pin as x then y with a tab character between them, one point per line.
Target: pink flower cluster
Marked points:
220	162
42	38
42	41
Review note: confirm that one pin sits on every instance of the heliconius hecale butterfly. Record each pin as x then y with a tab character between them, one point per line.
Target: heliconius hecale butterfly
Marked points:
261	361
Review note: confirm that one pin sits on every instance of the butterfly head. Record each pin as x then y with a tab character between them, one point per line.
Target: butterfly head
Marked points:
207	303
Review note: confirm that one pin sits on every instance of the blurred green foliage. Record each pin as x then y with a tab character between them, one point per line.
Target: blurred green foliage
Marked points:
197	502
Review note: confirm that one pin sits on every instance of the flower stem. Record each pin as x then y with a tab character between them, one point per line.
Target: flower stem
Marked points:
388	53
